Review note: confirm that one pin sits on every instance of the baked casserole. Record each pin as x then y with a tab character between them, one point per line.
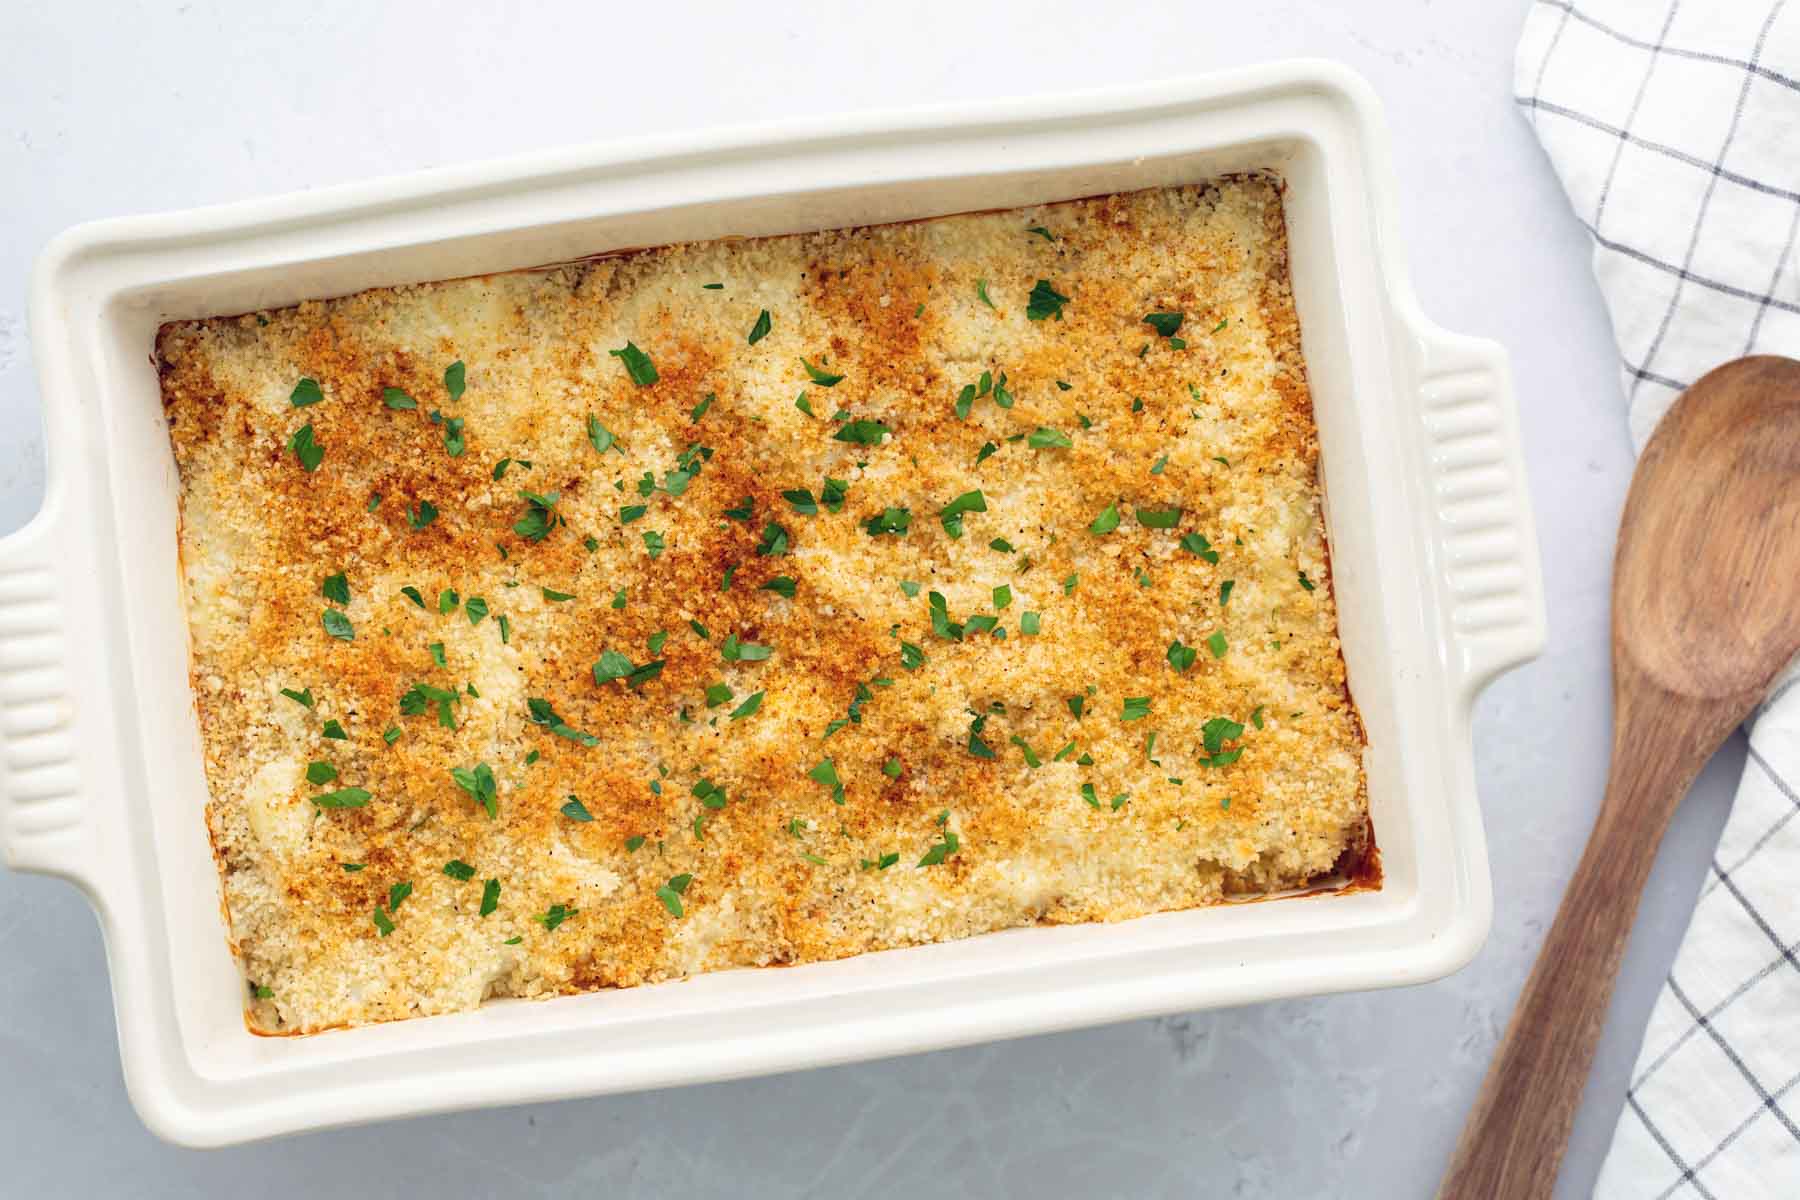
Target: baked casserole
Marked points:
760	601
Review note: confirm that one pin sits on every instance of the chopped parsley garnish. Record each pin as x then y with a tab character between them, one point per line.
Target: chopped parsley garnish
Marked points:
951	514
1030	623
540	516
306	450
336	588
717	694
804	405
1041	232
671	892
1048	439
653	542
459	870
338	625
1225	592
631	512
943	848
833	493
1069	584
576	811
1107	521
393	397
558	913
556	597
634	843
334	731
909	587
760	330
1136	708
1159	518
602	438
1002	596
977	745
1045	302
1156	468
383	924
892	768
941	624
889	520
398	893
802	501
479	783
826	773
981	292
454	442
781	585
748	707
822	378
699	410
986	452
1216	643
1031	758
305	392
1165	323
543	714
656	641
861	433
448	601
1305	582
1224	321
613	665
320	772
421	516
1003	546
774	541
391	734
505	623
1196	543
490	897
455	379
618	600
1076	705
735	650
350	797
1213	735
911	657
637	364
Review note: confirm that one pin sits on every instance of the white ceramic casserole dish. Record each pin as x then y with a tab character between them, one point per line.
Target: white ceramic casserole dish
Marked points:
100	766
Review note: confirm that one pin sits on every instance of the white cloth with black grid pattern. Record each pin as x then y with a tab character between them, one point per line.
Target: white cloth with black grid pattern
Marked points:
1675	127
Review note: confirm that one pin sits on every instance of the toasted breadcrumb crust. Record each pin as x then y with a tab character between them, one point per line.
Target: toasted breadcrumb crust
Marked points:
908	314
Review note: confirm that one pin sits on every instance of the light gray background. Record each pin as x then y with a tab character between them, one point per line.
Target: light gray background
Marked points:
123	108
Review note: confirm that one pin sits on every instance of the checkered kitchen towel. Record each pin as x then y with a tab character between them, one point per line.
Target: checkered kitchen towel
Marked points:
1675	126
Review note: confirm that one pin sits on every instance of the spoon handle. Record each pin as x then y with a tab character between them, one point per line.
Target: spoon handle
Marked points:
1514	1139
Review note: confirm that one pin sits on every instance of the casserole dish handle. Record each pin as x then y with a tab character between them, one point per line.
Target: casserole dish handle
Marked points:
1482	538
44	823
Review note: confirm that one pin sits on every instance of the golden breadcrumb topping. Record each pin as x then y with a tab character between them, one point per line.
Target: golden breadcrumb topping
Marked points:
760	601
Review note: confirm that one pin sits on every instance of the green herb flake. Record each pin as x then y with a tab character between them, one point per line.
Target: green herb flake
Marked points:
1196	543
554	596
1156	468
383	924
338	625
892	768
950	516
1165	323
774	541
1107	521
802	501
760	330
1045	302
1159	518
1002	596
336	588
320	773
1136	708
637	364
1216	643
576	811
1049	439
946	845
393	397
459	870
981	293
478	781
1225	592
1305	582
671	892
824	379
1030	623
861	433
305	393
1040	231
889	520
748	707
653	542
305	449
421	516
350	797
490	898
1181	657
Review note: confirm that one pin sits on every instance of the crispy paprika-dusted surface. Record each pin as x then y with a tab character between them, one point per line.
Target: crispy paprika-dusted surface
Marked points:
777	871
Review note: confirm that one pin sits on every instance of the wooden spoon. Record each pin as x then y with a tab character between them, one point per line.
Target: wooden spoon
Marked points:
1706	613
